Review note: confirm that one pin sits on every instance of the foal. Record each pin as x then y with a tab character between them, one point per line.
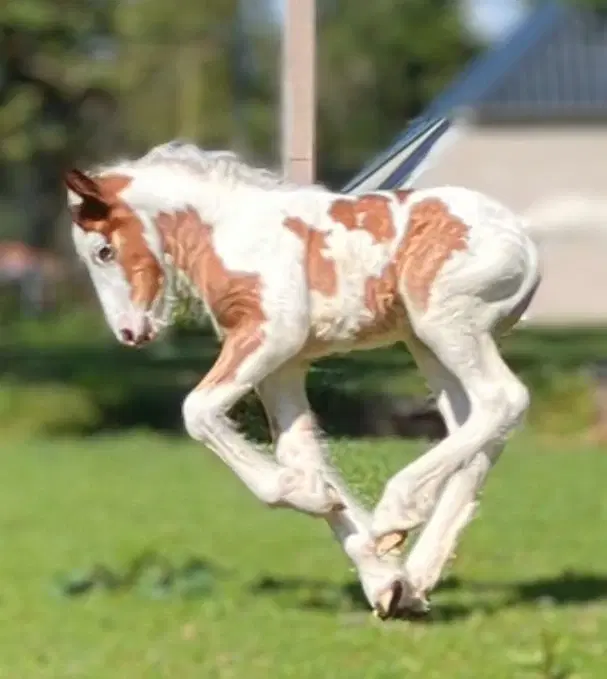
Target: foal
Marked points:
290	274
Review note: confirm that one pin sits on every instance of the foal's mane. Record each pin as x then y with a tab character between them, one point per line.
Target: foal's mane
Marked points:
222	166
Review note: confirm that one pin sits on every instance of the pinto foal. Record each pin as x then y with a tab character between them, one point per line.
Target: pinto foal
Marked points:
290	274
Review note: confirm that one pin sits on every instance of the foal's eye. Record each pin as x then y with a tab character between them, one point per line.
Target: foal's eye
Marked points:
105	254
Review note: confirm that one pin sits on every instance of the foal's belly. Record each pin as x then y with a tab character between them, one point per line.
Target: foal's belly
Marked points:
317	350
368	338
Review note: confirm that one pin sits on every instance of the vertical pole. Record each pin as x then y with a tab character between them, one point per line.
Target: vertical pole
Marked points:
240	53
298	105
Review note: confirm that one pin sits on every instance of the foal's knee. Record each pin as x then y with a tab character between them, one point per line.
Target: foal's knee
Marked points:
199	415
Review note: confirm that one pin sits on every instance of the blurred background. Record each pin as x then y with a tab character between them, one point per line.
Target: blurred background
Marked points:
83	81
89	81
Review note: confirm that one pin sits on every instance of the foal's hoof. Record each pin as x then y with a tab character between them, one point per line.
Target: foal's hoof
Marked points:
399	602
390	542
387	603
415	608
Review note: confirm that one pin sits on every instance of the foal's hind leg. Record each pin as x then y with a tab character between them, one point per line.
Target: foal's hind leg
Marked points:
299	447
497	401
458	500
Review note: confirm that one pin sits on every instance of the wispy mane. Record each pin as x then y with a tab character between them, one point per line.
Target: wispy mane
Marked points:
224	166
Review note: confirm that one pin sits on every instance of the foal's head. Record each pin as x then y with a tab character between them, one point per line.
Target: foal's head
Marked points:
118	215
118	249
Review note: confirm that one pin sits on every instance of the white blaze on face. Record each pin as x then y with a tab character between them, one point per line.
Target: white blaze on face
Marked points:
110	283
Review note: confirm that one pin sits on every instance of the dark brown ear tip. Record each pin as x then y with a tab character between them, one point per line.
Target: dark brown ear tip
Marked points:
79	182
75	173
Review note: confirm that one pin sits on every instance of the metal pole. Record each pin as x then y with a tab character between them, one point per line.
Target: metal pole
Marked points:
298	106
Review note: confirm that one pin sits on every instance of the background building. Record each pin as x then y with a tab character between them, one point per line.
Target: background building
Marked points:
536	137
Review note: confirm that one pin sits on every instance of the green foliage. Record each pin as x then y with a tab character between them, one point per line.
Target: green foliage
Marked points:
600	5
379	65
563	404
32	410
85	82
190	66
48	17
36	37
176	64
79	328
70	375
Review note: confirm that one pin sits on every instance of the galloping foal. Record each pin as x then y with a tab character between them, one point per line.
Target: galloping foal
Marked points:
290	274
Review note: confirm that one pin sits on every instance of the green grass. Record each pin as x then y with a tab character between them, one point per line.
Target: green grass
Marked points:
529	582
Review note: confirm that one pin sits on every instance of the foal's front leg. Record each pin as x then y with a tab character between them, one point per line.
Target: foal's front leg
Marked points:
300	447
245	360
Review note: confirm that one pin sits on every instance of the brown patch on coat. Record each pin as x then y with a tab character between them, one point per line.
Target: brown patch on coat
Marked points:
433	235
142	270
389	315
237	347
233	298
370	212
320	270
102	210
383	301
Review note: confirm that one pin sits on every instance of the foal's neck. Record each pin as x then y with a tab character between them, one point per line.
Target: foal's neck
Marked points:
185	212
170	190
217	204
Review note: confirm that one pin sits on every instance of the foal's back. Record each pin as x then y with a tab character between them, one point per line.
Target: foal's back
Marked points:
374	260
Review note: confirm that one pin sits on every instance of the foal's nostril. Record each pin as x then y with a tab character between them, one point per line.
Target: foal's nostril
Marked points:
127	335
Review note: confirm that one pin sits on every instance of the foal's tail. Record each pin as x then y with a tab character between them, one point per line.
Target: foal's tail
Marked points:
528	289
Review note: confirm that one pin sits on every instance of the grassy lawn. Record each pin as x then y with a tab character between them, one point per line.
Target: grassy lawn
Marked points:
529	585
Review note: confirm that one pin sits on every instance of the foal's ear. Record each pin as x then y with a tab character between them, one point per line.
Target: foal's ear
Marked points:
94	207
81	184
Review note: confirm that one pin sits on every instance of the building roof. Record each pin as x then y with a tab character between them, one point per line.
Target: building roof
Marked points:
551	67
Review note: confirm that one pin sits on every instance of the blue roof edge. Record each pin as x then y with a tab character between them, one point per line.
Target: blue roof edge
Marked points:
484	71
476	80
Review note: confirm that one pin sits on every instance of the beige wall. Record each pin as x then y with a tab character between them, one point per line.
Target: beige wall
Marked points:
557	178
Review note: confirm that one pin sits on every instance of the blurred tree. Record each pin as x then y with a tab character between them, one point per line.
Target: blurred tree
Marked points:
176	65
380	63
89	79
34	115
592	4
81	81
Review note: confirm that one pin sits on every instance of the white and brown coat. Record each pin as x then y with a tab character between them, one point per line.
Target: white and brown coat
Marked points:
291	274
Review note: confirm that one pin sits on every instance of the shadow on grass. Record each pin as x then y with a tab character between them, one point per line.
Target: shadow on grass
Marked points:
490	597
150	573
311	594
569	587
155	575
